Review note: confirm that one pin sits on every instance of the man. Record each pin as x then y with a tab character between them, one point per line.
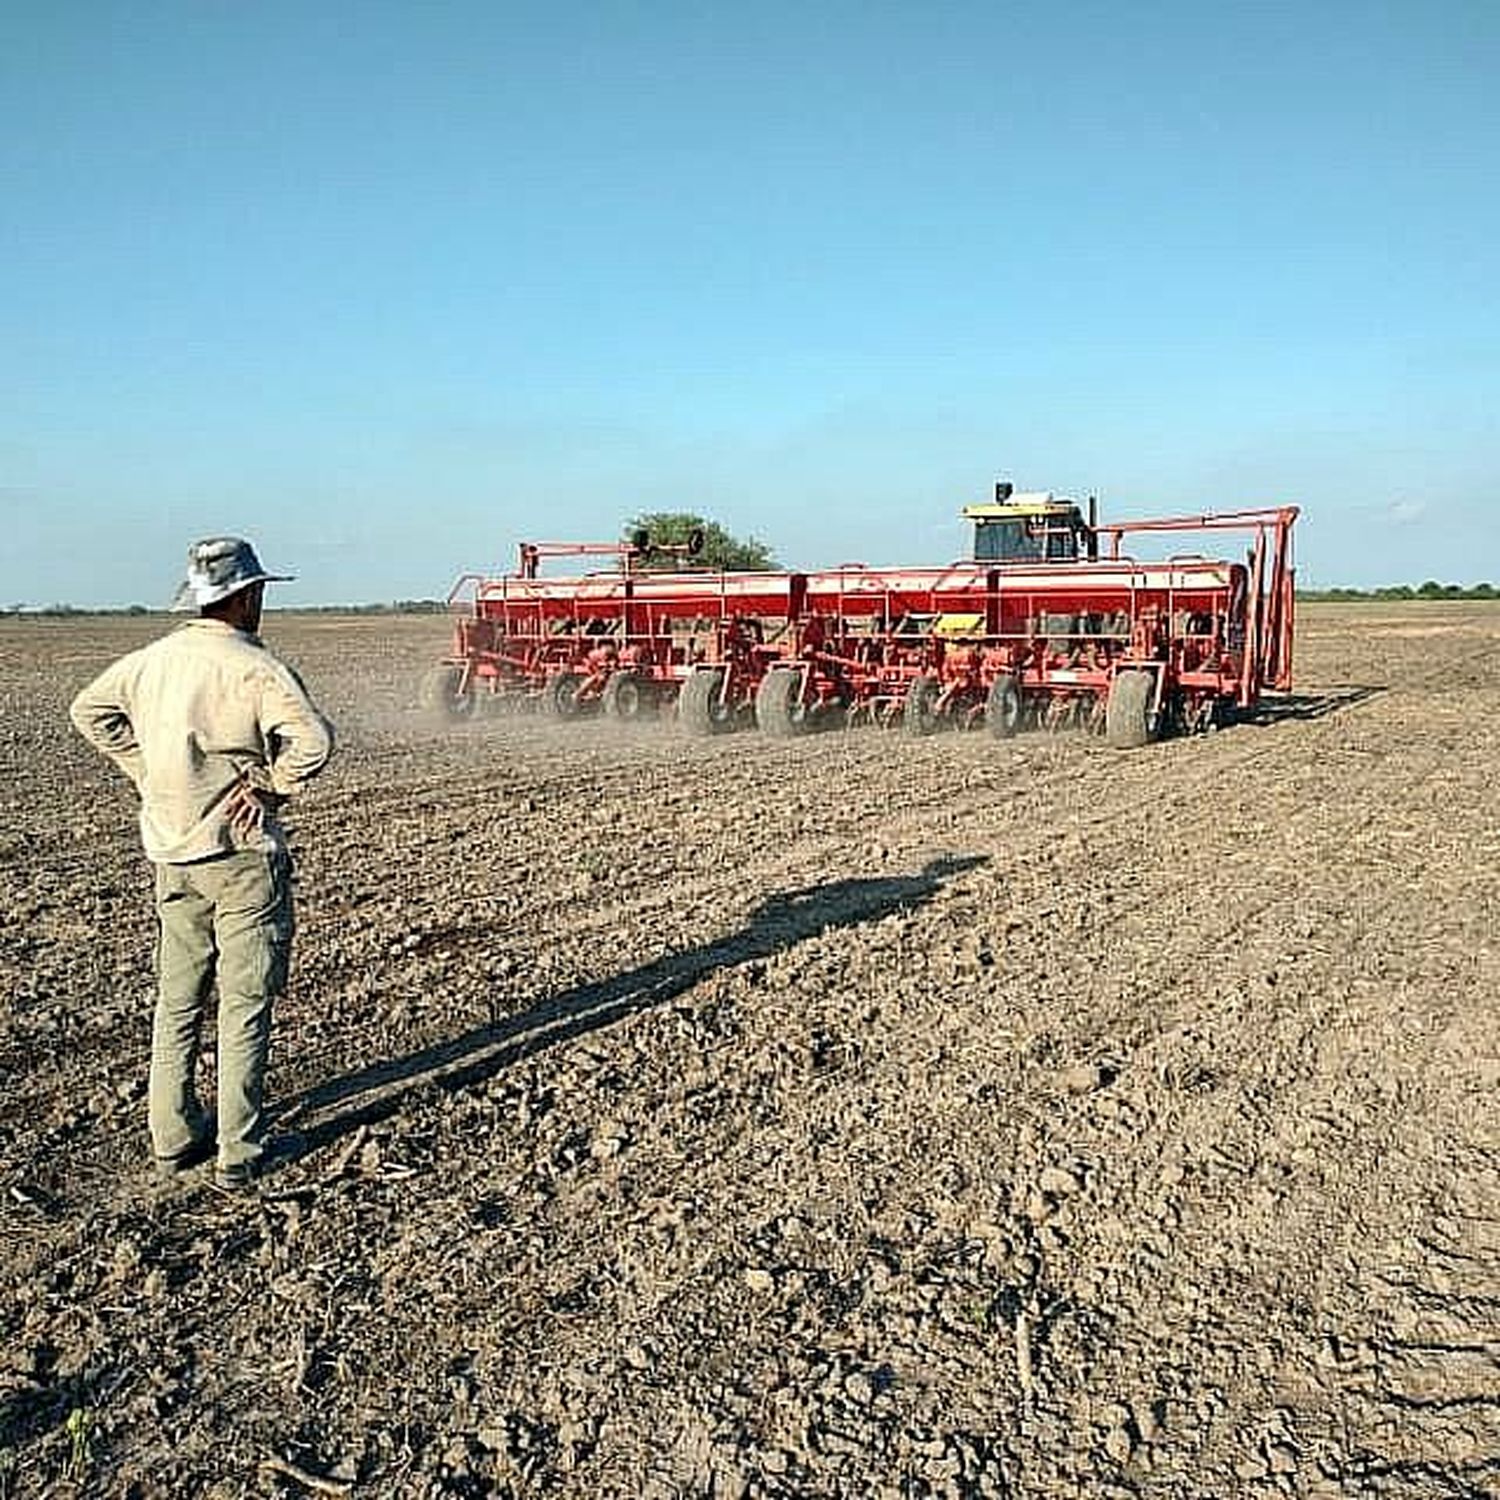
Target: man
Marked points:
216	734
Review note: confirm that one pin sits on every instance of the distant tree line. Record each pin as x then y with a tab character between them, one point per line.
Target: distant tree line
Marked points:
396	607
1429	590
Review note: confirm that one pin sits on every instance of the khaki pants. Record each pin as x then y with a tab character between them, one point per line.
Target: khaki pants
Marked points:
227	919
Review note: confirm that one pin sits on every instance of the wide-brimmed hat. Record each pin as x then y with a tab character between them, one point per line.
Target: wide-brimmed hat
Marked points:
218	567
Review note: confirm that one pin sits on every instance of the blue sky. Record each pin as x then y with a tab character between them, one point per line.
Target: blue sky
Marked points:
391	287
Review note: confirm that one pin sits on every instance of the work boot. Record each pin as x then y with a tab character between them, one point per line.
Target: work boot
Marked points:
237	1177
170	1168
279	1151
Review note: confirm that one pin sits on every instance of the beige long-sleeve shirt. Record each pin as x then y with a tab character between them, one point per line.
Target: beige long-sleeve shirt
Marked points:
189	716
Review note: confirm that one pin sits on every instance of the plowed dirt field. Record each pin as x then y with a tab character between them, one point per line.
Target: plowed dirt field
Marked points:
844	1116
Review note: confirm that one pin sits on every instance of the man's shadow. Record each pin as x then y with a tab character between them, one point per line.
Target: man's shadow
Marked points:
376	1092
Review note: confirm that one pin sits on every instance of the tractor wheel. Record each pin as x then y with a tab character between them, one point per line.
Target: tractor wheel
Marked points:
560	696
1002	709
1128	720
439	694
919	711
624	697
698	704
778	707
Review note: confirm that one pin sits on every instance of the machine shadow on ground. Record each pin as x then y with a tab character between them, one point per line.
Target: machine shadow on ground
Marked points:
377	1092
1286	707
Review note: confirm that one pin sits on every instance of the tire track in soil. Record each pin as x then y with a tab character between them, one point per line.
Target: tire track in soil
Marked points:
1236	1142
1203	1018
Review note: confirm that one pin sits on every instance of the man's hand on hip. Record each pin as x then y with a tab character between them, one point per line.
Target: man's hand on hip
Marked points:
246	807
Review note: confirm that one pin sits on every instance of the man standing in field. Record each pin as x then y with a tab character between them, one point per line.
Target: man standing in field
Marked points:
216	734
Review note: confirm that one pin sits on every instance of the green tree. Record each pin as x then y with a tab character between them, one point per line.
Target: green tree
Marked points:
716	549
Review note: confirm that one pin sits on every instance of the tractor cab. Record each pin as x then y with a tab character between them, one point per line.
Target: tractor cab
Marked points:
1029	528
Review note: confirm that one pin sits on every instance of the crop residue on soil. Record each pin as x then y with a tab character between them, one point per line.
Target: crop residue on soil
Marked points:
849	1115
